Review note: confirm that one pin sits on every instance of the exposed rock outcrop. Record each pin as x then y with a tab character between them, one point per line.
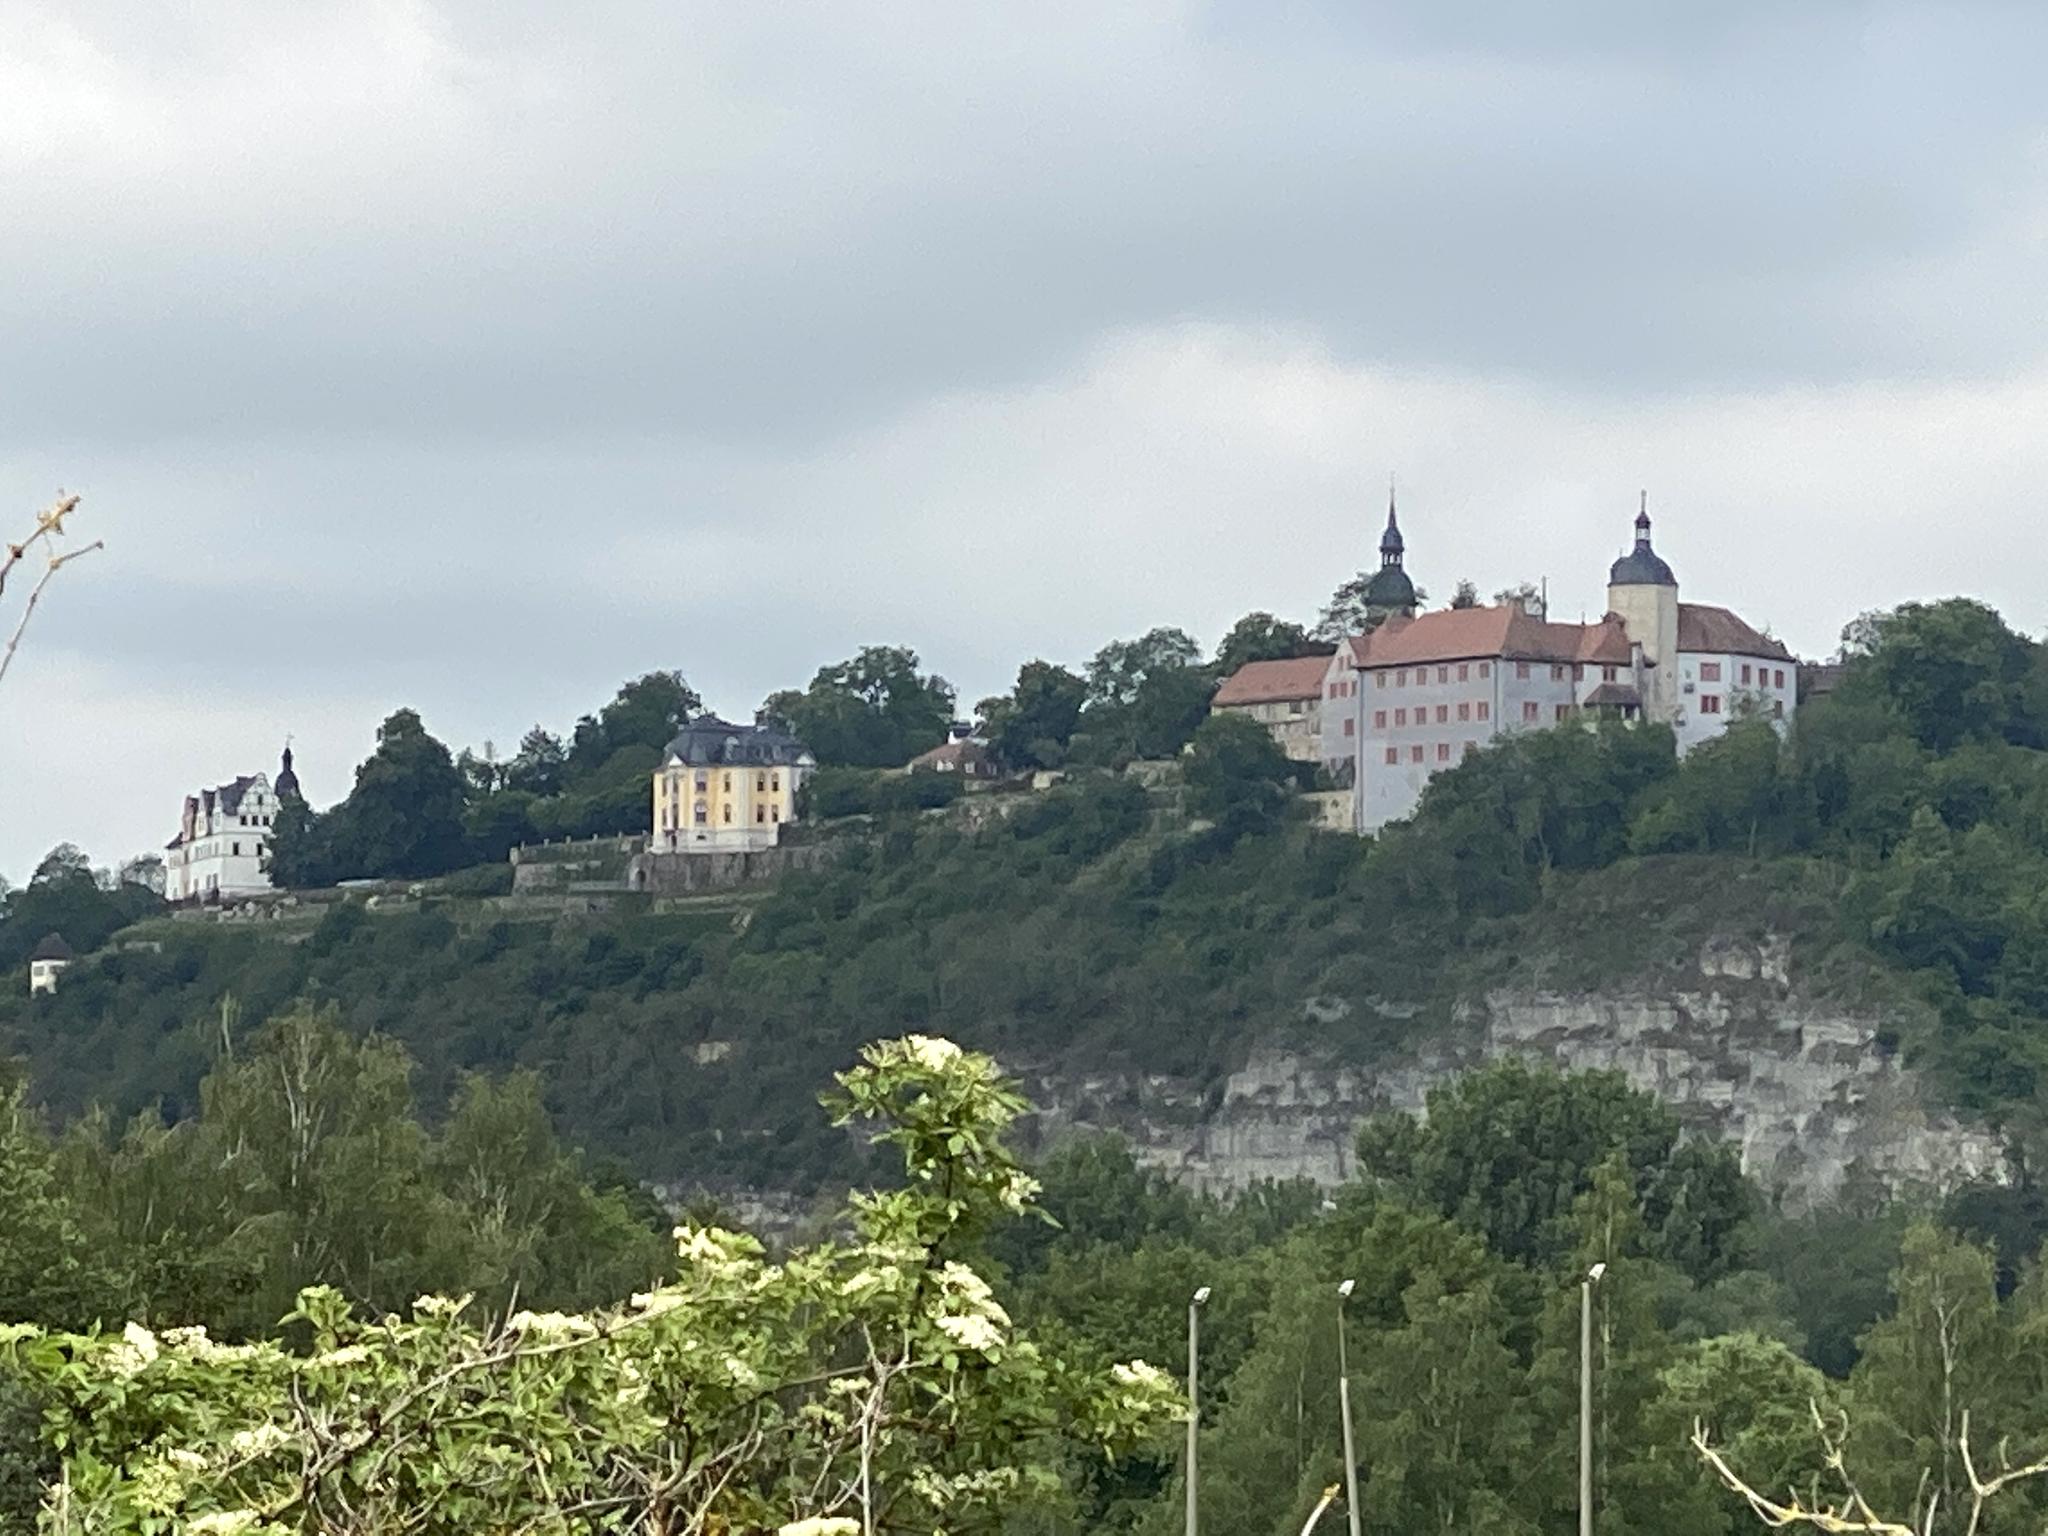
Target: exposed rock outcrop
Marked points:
1803	1087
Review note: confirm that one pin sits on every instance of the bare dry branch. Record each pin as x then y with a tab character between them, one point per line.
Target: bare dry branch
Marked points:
1855	1516
49	528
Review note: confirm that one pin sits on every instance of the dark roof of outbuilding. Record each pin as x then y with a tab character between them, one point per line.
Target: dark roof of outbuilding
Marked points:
1614	695
708	740
53	947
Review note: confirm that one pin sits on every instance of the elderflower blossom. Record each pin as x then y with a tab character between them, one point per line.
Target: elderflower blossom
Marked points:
226	1522
655	1303
931	1052
815	1526
1139	1376
259	1440
438	1306
347	1355
1019	1189
138	1347
969	1314
716	1250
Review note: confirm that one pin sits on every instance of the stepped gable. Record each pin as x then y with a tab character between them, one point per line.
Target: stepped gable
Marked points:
1274	682
1704	627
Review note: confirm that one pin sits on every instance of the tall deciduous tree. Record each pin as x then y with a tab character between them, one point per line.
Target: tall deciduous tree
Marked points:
874	710
1952	670
1261	637
1032	725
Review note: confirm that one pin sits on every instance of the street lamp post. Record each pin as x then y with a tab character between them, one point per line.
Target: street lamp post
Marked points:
1586	1397
1344	1411
1194	1399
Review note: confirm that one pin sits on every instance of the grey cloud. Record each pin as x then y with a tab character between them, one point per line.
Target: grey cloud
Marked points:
653	250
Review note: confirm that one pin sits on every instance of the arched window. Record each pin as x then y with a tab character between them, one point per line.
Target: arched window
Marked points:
703	814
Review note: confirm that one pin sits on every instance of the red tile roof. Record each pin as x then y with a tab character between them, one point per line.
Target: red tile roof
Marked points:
1702	627
1274	682
1508	631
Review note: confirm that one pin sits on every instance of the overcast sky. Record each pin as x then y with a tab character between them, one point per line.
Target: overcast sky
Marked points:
475	356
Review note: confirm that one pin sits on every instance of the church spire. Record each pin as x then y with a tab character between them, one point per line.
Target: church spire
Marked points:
287	785
1391	546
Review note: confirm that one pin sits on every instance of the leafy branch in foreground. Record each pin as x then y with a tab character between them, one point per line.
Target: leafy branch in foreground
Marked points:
49	528
860	1386
1852	1514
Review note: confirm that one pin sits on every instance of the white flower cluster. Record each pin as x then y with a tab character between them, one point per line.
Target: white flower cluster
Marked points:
837	1525
969	1314
138	1347
717	1250
931	1052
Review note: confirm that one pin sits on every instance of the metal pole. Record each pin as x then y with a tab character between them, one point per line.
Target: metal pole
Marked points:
1194	1400
1586	1397
1351	1514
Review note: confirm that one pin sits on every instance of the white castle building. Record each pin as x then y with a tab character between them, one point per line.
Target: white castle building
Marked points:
223	835
1421	690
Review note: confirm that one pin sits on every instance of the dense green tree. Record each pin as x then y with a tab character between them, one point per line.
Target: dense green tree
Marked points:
1033	724
646	712
1465	595
542	765
1237	777
874	710
1509	1150
1952	671
1347	613
1261	637
65	897
1733	797
1145	696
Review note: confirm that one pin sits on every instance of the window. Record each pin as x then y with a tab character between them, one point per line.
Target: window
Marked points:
1400	717
760	815
1443	751
238	850
1401	678
760	783
1393	754
1464	671
1329	690
1745	674
1578	672
703	781
728	783
1443	674
775	783
1379	720
727	815
1710	671
1347	722
1522	670
1529	710
1415	754
1563	710
703	813
1443	713
1485	709
1779	682
1379	679
1297	706
1464	711
1710	703
1486	669
1556	672
1607	674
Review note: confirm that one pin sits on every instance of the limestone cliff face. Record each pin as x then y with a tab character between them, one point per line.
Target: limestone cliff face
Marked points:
1802	1087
